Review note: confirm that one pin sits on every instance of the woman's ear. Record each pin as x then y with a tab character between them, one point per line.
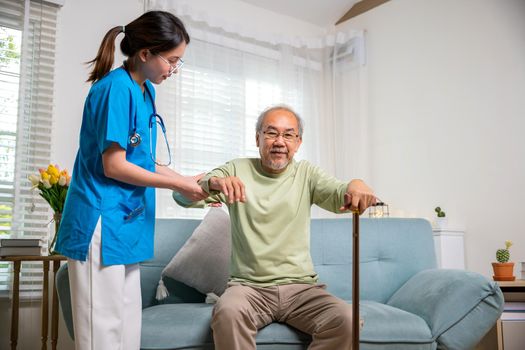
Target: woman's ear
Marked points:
143	54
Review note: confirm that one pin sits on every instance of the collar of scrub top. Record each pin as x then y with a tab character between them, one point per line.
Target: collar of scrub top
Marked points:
135	139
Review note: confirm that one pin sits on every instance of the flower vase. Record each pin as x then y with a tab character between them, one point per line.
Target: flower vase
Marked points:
57	216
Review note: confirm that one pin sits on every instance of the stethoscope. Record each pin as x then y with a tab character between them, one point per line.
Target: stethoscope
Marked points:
135	139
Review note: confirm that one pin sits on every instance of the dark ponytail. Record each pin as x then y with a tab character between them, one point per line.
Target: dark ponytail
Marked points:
157	31
105	56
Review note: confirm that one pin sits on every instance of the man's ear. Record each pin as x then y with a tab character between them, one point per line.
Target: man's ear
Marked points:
257	139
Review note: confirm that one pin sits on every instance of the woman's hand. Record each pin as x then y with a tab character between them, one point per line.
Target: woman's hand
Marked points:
231	186
190	189
198	177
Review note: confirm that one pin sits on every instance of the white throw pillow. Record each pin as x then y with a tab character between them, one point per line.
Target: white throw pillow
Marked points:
203	262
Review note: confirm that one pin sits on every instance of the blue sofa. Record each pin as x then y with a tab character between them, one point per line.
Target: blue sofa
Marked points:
406	303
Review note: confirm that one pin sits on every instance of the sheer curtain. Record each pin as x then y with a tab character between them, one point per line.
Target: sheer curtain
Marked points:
346	132
210	107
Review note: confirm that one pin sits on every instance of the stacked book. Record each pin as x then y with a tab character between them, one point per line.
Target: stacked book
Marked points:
20	246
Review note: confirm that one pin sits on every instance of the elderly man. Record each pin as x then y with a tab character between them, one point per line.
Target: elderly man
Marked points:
272	275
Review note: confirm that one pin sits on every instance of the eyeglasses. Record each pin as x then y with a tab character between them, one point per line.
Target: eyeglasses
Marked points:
274	135
173	68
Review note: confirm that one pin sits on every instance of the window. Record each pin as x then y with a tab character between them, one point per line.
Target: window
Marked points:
27	49
10	44
212	105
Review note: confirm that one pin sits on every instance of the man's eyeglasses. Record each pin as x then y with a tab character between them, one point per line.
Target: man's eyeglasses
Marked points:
274	134
173	67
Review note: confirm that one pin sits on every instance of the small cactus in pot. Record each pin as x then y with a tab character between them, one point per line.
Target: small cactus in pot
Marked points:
440	222
440	213
503	269
503	255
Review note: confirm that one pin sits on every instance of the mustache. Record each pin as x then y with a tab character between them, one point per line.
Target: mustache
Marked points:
279	149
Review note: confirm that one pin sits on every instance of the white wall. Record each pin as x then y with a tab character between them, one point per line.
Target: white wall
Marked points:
446	89
78	43
82	25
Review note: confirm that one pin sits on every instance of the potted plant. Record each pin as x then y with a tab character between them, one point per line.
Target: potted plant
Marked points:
441	220
503	269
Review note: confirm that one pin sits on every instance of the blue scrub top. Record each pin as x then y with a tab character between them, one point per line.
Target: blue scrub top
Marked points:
127	211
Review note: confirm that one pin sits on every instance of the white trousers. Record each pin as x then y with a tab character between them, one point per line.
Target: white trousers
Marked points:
106	302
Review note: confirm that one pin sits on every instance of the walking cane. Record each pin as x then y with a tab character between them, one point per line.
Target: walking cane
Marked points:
355	279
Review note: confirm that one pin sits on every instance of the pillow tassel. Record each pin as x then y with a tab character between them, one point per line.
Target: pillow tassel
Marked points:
211	298
162	291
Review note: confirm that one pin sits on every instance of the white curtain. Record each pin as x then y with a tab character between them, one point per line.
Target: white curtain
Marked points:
211	106
346	95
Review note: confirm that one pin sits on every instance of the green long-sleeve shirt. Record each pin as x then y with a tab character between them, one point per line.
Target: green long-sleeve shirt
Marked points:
271	230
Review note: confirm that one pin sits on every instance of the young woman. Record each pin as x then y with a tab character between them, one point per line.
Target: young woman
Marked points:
108	220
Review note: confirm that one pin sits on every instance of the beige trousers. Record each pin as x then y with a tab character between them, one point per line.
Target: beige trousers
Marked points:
242	310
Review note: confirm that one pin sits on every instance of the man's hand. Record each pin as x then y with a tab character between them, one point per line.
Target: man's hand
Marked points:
358	197
231	186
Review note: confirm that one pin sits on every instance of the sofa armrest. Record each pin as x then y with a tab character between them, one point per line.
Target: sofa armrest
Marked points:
64	297
452	302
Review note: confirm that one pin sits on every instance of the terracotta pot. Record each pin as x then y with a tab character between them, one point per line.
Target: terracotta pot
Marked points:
503	271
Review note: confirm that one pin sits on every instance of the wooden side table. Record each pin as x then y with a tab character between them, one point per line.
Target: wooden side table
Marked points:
512	291
517	286
17	262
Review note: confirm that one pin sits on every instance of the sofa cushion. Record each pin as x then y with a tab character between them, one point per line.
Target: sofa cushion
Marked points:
448	300
203	261
176	326
387	324
191	328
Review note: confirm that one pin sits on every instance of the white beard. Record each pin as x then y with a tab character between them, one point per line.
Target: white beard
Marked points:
277	165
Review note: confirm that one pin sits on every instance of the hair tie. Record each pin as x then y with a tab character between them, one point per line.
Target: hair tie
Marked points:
124	29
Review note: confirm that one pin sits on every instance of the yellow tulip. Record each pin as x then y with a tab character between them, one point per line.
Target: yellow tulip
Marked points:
52	170
51	182
53	179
